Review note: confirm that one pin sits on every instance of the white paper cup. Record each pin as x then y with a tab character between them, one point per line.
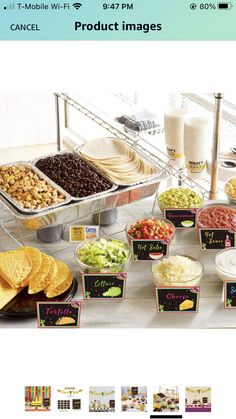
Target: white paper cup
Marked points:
174	135
196	144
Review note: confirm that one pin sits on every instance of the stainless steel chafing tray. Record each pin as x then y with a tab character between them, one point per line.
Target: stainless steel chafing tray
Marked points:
79	210
158	171
74	198
42	176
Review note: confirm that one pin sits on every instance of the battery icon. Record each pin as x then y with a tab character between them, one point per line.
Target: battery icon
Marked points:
225	6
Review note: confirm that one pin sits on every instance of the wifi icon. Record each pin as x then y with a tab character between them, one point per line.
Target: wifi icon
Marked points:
77	6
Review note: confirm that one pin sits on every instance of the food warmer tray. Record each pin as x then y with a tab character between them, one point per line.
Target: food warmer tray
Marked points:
75	211
41	175
74	198
142	156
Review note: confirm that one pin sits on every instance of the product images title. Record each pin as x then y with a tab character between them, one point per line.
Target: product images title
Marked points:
115	26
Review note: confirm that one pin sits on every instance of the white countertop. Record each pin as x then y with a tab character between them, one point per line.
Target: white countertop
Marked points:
138	310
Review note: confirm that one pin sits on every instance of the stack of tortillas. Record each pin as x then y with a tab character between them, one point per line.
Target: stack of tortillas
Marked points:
28	266
120	163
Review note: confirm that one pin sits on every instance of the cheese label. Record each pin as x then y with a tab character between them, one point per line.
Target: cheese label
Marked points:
180	299
230	294
59	314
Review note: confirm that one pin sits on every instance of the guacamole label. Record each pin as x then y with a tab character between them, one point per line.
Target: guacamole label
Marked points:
184	218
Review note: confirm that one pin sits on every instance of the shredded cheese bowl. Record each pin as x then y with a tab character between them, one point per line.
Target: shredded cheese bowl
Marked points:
177	271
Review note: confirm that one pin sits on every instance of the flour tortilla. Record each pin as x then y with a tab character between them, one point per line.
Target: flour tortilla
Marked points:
102	148
120	163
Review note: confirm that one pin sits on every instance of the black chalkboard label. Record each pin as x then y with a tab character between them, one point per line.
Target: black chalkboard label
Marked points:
76	404
112	404
46	402
181	218
177	299
216	239
149	249
59	314
230	294
105	286
134	391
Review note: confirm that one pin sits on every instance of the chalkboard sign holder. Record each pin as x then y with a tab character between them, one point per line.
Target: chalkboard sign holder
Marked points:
177	299
216	238
59	314
148	249
230	295
181	217
104	286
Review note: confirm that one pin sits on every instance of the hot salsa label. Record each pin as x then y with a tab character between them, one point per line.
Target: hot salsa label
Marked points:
216	239
177	299
149	249
181	218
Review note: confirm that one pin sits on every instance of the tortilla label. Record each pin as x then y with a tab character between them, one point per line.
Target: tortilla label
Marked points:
149	249
59	314
104	286
181	218
181	299
216	239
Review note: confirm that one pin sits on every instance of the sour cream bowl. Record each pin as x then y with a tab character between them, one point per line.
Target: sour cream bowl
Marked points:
225	262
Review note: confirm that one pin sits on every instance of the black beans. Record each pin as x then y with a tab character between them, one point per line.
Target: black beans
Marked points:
73	175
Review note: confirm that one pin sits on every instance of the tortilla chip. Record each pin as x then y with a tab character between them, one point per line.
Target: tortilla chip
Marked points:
36	258
52	272
7	293
15	266
61	282
42	278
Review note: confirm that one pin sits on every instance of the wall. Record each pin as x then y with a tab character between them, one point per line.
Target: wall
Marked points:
26	119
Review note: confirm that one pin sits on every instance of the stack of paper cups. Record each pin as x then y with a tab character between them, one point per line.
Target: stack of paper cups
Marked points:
196	144
174	135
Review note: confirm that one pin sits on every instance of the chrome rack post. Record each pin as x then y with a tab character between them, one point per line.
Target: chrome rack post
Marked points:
58	129
216	145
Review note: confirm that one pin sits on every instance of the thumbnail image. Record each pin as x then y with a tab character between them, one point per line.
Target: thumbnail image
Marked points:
102	399
166	399
134	399
69	399
37	398
198	399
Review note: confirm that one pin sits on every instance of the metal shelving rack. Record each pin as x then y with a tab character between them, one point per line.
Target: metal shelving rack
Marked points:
140	142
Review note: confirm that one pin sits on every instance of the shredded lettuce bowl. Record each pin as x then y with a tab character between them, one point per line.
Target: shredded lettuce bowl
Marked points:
102	255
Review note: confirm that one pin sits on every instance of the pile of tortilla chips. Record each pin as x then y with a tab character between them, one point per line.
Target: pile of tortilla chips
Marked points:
27	266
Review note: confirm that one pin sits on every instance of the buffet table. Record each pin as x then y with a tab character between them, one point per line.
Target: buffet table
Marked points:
134	199
139	307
